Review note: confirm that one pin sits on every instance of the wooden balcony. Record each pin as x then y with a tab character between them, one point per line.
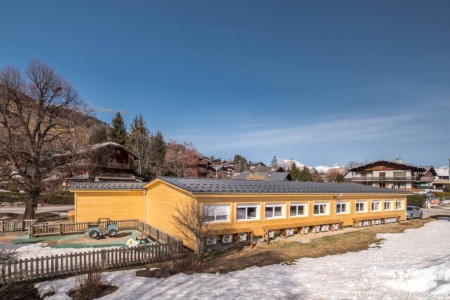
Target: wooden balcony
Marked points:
386	179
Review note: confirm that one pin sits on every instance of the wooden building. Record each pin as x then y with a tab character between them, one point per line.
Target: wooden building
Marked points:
388	174
240	209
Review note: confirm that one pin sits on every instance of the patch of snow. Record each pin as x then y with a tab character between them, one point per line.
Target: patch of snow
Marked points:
39	250
410	265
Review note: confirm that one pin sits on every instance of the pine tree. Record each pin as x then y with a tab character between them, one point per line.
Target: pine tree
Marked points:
118	133
274	162
139	143
295	172
305	174
157	154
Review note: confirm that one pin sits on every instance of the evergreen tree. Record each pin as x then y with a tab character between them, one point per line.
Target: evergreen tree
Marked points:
305	174
139	143
157	154
240	162
118	133
339	178
295	172
274	162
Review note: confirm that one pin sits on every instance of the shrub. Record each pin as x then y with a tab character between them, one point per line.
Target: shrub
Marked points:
91	285
416	200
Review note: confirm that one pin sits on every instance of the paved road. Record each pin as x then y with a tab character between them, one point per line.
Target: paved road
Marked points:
435	212
21	210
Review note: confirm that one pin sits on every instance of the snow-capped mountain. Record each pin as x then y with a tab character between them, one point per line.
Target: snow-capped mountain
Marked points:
287	163
442	171
325	169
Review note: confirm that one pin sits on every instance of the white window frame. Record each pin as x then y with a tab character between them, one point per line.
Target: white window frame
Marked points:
246	206
320	203
216	211
391	207
297	204
373	202
273	206
401	204
364	203
347	207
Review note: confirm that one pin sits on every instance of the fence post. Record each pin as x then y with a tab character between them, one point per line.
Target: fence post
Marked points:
103	259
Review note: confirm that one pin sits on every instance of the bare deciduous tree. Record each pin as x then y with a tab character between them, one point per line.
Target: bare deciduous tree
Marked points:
182	159
193	222
37	119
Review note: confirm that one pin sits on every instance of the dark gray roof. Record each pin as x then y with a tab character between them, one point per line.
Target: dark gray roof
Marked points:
106	185
266	176
272	187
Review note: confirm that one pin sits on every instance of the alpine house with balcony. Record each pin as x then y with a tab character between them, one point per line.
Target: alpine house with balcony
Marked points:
388	174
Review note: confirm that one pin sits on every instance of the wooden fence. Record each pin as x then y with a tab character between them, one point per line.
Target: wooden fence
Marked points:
15	225
173	243
168	247
44	229
77	263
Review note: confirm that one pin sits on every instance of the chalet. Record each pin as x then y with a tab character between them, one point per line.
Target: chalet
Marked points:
103	162
388	174
238	209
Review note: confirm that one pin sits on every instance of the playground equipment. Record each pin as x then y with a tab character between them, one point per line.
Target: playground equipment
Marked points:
110	229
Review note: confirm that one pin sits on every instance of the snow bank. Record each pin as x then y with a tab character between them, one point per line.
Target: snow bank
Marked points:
41	249
411	265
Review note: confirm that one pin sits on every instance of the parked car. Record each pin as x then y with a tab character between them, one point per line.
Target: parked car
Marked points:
413	212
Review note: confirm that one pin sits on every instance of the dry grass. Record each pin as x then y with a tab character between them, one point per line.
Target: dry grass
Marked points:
282	251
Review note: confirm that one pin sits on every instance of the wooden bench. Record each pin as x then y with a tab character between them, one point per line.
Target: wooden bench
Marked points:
375	220
322	225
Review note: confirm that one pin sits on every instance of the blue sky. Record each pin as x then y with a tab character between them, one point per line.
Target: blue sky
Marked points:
317	81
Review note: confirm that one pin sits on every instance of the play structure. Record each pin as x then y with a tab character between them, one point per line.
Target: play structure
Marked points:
96	231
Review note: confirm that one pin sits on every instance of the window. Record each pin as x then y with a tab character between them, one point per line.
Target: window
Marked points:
320	208
376	206
399	204
217	212
298	210
361	206
274	211
387	204
247	212
341	207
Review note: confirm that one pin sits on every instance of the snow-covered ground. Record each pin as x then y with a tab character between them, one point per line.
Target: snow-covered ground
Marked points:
41	249
410	265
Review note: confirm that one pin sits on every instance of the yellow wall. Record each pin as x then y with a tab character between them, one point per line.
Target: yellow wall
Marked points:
257	225
158	204
117	205
162	201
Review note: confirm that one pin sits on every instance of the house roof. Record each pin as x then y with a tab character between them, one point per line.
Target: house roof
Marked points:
224	186
106	185
387	162
265	176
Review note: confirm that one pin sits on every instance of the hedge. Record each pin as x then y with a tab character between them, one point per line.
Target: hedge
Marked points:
416	200
60	198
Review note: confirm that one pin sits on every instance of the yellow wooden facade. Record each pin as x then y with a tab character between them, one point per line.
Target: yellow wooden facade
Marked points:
163	198
157	202
90	205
